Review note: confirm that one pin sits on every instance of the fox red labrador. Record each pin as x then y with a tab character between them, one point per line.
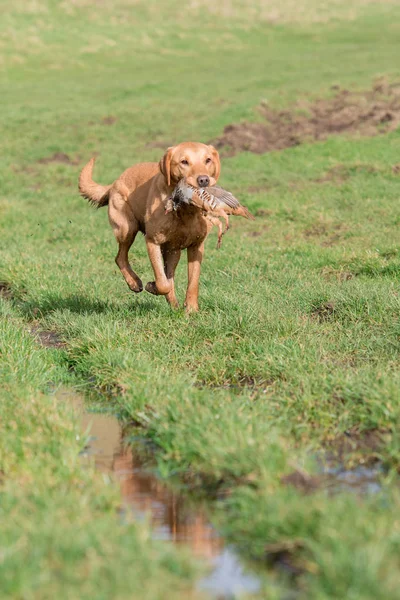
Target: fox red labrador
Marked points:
137	202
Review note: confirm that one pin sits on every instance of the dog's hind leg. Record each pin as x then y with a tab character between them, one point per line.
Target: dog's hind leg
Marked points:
125	228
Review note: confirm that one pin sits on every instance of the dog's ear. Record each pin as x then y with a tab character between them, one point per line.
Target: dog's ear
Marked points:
165	164
217	162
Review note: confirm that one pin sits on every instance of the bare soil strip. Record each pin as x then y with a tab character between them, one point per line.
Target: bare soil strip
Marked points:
367	113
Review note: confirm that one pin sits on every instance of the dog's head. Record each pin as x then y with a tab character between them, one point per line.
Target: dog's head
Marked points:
198	163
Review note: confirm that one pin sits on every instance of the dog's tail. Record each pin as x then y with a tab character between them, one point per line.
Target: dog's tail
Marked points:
96	194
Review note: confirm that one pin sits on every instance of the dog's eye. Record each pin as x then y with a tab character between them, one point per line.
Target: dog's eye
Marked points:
184	162
208	160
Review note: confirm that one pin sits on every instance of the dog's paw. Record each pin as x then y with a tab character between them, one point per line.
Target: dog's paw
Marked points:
151	288
136	286
191	308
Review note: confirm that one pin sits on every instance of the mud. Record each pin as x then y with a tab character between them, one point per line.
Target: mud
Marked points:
365	445
257	189
302	481
262	212
335	478
366	113
110	120
59	157
5	290
349	463
175	517
316	230
46	337
330	233
330	273
172	515
159	145
342	173
287	557
324	311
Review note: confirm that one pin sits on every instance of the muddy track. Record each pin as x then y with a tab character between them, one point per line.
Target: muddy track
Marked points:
368	113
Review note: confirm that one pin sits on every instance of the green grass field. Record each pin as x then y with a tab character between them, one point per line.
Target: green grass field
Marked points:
297	342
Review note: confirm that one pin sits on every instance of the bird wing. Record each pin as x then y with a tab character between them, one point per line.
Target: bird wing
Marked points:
223	196
209	199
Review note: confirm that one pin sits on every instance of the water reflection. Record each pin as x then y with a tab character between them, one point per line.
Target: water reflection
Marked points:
173	518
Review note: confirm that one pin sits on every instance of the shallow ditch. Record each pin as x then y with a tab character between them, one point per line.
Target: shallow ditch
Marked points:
177	518
174	517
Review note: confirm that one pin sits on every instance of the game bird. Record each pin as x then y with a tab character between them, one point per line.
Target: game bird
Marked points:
214	200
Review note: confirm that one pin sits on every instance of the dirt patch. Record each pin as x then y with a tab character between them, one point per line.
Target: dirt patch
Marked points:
256	189
349	463
46	337
262	212
253	386
287	555
345	276
110	120
330	273
364	445
239	383
302	481
23	169
331	241
159	144
342	173
396	169
335	478
59	157
367	113
5	290
337	174
324	311
316	230
332	233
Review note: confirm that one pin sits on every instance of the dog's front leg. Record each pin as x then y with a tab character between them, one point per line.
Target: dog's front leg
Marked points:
161	286
195	257
171	259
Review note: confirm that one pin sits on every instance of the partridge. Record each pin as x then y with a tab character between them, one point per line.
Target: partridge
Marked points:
214	201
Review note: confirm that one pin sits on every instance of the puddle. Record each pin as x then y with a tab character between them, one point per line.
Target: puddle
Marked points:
360	479
334	477
172	516
46	337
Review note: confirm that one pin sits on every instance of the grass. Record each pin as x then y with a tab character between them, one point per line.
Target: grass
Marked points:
60	535
265	377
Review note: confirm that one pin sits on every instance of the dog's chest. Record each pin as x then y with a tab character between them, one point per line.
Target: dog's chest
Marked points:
182	229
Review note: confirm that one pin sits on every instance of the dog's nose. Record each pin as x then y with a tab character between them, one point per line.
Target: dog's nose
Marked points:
203	180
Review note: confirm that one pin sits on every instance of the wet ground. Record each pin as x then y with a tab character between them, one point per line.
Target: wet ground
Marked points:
173	516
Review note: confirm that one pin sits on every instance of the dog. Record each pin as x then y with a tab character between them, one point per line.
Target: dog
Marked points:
137	201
